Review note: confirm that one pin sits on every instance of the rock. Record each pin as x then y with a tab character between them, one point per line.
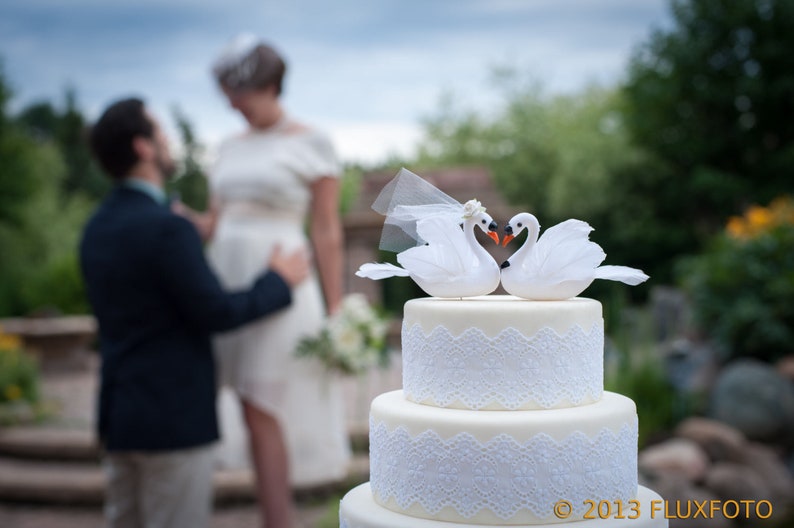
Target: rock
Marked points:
772	470
720	441
679	456
679	494
753	397
738	482
691	366
785	366
734	481
671	313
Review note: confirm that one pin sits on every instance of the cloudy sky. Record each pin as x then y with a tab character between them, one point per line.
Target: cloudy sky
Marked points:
366	71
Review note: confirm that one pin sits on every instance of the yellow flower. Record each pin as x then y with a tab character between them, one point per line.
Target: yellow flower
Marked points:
9	342
13	392
759	218
737	228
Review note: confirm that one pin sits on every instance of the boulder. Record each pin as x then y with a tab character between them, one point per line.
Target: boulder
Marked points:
734	481
772	470
719	440
738	482
691	366
679	456
785	366
757	400
678	494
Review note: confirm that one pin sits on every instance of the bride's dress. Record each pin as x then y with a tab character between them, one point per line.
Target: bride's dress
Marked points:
261	181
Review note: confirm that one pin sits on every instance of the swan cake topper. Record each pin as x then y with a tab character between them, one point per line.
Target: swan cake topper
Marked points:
423	226
559	265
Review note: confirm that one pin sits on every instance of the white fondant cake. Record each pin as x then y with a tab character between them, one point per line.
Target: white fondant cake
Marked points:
502	415
477	466
359	510
502	352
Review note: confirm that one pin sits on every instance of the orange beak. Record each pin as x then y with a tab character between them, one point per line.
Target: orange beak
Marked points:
507	239
494	236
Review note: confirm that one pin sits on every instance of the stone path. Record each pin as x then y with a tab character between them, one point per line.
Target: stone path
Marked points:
241	516
73	393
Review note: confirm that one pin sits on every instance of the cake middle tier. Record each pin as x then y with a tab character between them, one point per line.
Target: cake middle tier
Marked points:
502	352
500	467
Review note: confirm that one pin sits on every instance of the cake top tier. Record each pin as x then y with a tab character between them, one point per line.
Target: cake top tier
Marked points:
502	352
493	313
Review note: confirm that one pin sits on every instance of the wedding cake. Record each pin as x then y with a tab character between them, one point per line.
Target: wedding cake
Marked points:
502	421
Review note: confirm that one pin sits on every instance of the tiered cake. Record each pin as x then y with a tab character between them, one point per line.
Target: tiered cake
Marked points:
502	421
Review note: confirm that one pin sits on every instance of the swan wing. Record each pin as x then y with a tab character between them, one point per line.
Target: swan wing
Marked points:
377	271
571	229
565	251
549	244
428	263
630	276
443	258
448	243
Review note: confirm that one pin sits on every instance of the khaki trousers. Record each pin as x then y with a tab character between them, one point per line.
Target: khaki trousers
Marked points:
171	489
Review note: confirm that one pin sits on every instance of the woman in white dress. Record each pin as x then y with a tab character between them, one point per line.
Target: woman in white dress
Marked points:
270	184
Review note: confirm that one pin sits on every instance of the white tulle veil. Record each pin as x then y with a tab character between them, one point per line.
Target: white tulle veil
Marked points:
404	201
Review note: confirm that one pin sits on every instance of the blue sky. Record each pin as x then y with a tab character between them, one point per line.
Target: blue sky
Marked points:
366	71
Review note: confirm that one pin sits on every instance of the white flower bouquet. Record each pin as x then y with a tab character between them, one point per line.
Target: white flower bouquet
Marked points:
353	340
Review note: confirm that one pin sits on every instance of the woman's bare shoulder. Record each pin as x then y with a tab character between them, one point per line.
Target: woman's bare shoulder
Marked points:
296	128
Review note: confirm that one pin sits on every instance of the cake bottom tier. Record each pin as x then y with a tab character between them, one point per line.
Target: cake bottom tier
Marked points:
358	509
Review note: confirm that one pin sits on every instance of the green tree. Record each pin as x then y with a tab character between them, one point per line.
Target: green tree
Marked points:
17	154
560	157
554	155
711	98
38	225
190	182
67	129
82	172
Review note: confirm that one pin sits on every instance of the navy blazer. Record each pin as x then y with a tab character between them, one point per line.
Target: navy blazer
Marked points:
157	303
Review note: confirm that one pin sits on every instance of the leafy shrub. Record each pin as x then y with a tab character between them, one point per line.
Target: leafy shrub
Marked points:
742	286
634	368
57	287
642	378
19	382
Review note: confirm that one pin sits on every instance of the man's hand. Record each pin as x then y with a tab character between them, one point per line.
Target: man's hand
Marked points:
293	268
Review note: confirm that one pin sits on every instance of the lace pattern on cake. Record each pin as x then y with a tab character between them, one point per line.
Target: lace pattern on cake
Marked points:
502	475
512	370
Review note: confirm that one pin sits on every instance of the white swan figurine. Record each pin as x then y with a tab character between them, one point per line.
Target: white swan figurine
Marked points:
559	265
451	263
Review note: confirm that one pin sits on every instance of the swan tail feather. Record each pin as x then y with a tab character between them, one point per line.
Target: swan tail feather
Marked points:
377	271
630	276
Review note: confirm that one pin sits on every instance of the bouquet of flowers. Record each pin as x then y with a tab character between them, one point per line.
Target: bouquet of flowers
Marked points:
353	340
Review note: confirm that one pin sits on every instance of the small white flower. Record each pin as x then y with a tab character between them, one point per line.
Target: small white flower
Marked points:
472	207
346	338
356	308
353	339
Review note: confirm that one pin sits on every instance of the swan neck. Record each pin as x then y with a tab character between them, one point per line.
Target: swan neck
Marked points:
533	229
468	231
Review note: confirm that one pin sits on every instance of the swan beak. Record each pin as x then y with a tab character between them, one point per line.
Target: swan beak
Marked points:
507	239
494	236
